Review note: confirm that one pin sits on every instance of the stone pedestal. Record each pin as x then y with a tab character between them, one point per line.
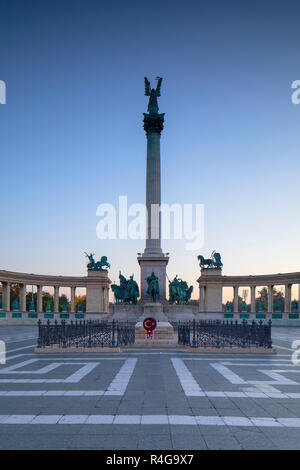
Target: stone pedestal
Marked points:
158	264
97	292
163	335
210	285
154	310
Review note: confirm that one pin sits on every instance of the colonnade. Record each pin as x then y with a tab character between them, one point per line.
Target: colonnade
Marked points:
211	284
96	286
270	303
6	300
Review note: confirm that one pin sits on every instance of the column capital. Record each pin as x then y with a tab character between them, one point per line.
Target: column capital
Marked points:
153	122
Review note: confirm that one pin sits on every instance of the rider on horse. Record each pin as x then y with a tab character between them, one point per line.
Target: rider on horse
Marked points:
153	286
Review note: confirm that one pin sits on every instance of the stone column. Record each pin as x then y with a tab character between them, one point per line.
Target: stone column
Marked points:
73	288
39	299
253	304
6	296
236	299
287	298
153	258
23	297
56	298
270	299
153	193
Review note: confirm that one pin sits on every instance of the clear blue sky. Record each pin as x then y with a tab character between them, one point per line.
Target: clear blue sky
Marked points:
72	137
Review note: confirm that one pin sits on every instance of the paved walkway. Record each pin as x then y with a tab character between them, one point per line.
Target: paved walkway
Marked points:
154	399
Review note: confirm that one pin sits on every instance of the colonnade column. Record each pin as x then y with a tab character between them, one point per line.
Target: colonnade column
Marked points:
253	305
6	296
56	298
270	298
73	288
287	297
39	299
23	297
236	299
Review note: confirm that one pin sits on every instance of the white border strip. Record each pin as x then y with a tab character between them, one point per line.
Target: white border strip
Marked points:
152	419
121	390
187	381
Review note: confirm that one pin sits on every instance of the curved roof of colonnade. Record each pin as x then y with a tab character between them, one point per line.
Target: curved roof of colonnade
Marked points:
254	280
49	280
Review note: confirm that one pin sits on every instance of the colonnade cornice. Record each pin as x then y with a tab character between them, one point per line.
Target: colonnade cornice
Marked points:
262	279
49	280
252	280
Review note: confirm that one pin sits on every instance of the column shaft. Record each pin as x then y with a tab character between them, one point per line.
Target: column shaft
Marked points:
6	297
23	298
73	288
56	298
287	298
39	299
153	193
270	299
253	305
236	299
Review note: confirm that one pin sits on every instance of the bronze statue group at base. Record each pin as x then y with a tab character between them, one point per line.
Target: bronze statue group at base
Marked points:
127	292
179	292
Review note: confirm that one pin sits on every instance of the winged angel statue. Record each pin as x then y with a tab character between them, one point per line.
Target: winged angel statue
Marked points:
153	93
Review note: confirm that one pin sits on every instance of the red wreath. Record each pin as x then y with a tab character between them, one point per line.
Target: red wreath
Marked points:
149	324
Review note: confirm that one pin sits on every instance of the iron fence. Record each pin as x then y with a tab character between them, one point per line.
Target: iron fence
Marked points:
86	334
220	334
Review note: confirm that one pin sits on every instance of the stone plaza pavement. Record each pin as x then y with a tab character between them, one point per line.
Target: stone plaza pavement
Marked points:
153	399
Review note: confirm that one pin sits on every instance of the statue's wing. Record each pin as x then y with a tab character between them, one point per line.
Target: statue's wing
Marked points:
147	87
159	80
